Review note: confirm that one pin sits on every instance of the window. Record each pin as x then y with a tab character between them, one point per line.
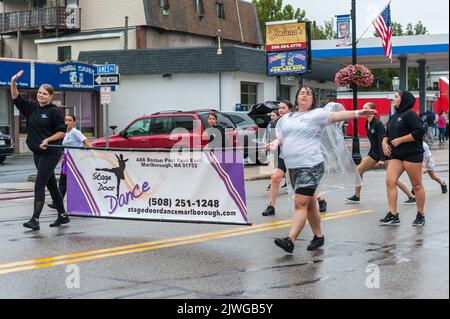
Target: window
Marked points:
248	94
236	119
224	121
139	128
286	92
73	3
220	12
39	3
184	122
161	125
199	8
164	4
64	53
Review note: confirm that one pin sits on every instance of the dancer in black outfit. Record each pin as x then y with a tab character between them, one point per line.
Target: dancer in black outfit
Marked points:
118	171
45	126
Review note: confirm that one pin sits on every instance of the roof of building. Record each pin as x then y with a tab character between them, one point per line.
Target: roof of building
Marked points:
196	60
182	17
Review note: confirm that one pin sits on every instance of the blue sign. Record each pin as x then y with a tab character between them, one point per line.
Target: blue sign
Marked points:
289	62
72	75
106	69
10	68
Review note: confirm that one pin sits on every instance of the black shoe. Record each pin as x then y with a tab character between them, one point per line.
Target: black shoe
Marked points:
269	211
316	243
268	187
52	205
354	199
32	223
286	244
410	201
322	206
285	185
390	219
61	220
444	188
419	221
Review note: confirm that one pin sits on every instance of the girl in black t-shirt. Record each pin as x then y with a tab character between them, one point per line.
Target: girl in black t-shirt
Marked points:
45	126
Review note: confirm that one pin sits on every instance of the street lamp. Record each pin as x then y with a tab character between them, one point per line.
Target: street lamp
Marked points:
356	154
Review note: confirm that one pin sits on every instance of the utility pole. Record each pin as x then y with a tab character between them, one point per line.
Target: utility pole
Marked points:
356	153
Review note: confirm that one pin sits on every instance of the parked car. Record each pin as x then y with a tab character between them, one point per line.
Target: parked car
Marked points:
159	130
6	147
250	134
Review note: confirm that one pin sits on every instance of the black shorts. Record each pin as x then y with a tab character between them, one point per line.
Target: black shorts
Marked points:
281	165
415	158
375	156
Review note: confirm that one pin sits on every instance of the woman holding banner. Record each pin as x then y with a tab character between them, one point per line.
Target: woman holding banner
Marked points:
45	126
299	134
73	138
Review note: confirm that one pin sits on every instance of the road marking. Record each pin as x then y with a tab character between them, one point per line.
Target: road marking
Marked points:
159	244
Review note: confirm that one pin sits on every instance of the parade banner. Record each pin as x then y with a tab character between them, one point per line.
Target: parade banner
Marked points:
197	187
344	37
291	62
286	36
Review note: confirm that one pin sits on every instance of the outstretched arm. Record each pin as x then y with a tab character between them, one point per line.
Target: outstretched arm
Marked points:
350	115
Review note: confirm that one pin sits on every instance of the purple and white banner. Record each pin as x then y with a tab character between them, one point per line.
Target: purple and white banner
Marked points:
158	186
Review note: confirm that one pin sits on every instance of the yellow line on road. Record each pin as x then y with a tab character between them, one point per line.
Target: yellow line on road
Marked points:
179	241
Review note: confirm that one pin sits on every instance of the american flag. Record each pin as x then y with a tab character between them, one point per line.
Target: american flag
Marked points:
383	26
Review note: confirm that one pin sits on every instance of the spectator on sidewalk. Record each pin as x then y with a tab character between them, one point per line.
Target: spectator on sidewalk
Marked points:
441	127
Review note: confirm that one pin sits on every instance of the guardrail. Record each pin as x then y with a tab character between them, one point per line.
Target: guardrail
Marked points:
48	18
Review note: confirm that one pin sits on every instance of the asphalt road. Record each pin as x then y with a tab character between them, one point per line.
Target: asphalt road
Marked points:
126	259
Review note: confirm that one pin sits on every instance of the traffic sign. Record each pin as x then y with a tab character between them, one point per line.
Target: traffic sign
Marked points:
105	95
106	69
106	79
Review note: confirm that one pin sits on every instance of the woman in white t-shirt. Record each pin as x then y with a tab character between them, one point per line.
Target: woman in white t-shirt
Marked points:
75	138
299	134
428	167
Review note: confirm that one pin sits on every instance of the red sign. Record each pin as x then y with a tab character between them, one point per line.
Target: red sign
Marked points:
286	47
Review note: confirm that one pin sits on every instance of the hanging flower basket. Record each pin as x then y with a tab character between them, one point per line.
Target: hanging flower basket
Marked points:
357	75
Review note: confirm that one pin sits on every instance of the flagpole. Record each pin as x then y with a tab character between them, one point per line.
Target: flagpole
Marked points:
373	21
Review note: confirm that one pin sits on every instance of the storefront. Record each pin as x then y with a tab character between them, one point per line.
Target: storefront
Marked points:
74	93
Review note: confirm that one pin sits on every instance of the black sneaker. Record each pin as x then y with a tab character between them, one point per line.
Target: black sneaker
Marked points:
52	205
322	206
354	199
390	219
419	221
284	185
316	243
269	211
32	223
444	188
286	244
410	201
61	220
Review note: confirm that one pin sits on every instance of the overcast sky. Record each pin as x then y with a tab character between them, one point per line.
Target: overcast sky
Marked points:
433	13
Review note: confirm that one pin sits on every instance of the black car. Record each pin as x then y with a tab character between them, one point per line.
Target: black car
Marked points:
6	147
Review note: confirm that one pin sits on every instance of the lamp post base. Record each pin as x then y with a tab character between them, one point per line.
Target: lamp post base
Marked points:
356	154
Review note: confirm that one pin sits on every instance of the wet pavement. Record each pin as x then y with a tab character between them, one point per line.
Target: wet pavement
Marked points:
131	259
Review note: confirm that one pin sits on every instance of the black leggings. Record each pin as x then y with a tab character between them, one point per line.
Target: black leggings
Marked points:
46	165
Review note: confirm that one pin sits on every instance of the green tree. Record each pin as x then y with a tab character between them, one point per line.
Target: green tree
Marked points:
273	10
419	28
327	31
397	29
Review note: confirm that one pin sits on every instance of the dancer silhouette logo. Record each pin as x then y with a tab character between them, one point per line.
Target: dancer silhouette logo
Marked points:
119	200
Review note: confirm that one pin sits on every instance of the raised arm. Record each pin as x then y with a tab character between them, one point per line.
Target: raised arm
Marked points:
14	91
